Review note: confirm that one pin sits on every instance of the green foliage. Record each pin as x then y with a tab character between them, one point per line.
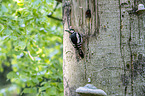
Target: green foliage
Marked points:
32	44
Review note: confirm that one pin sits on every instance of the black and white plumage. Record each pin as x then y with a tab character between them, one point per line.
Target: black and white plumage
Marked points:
76	40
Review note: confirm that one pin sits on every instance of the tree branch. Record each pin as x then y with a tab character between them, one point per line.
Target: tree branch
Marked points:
51	13
59	0
55	18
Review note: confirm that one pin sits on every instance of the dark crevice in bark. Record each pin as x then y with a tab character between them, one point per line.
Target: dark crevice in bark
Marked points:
97	20
88	3
122	47
139	27
67	12
95	7
87	41
131	55
66	86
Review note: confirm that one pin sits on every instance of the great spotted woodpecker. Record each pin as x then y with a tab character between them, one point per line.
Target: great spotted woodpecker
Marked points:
76	40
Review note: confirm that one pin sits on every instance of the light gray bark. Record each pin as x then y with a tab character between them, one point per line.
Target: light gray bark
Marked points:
113	51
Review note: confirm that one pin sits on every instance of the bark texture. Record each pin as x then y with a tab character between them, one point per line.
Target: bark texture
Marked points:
114	50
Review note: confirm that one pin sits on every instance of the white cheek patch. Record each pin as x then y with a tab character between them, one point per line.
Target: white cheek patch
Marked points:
81	39
78	40
71	31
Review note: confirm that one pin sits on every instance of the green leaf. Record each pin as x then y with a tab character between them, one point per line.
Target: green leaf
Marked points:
1	68
30	90
22	44
19	45
1	27
35	80
11	75
14	37
43	88
7	32
51	91
4	9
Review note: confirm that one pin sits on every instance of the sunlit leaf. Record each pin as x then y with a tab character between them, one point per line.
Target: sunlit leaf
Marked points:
39	51
20	2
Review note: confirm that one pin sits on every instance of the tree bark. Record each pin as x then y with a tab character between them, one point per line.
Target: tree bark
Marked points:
114	50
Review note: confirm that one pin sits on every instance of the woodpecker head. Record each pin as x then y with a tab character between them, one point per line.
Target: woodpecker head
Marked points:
70	31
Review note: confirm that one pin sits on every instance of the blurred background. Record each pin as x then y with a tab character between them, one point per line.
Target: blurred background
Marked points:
31	48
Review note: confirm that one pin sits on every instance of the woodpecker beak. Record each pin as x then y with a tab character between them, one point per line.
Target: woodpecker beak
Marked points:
68	31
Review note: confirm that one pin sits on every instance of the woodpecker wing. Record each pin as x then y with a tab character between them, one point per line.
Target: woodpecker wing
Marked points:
74	38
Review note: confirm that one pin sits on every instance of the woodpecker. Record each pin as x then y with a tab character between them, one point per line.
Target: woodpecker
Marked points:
76	40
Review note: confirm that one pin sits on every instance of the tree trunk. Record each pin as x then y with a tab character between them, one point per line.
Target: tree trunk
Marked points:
114	49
